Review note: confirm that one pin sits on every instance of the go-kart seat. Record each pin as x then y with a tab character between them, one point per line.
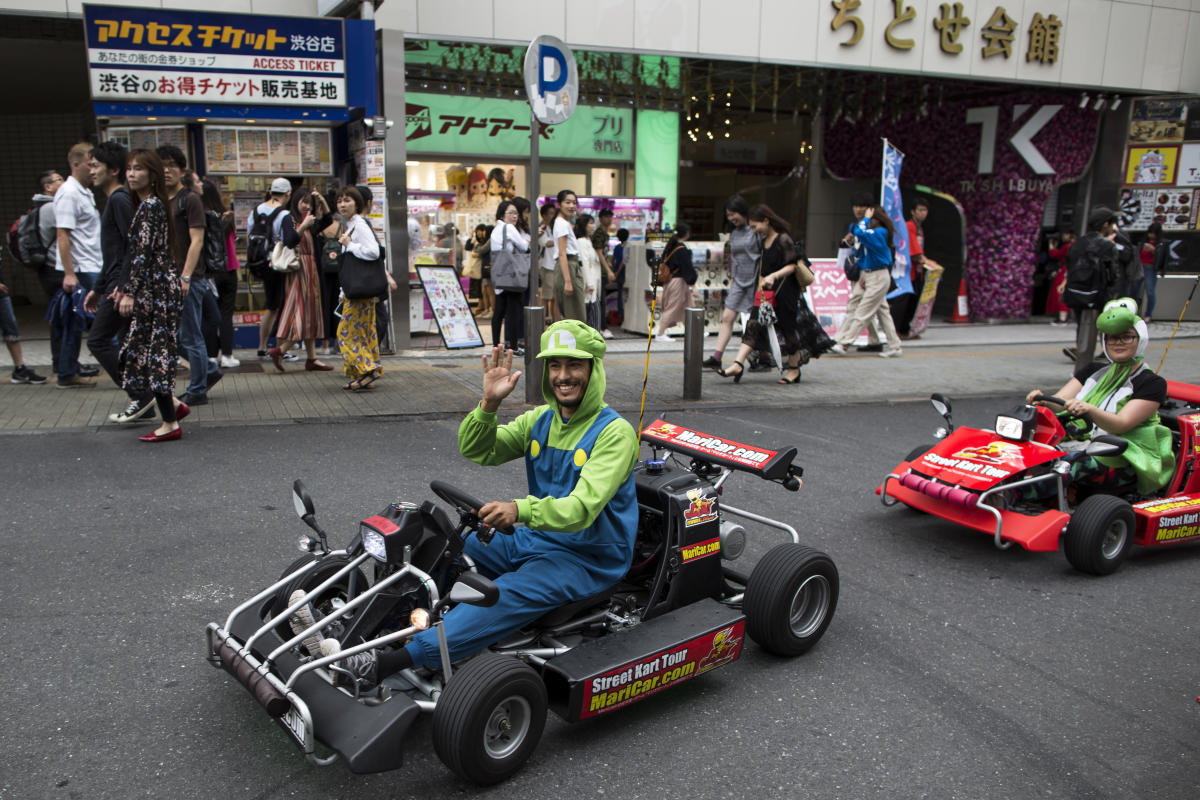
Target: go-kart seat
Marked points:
1170	412
562	614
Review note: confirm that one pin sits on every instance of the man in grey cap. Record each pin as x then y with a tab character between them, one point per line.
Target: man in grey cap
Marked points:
273	209
1091	272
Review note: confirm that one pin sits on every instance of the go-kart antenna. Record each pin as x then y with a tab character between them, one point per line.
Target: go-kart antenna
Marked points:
1186	303
652	261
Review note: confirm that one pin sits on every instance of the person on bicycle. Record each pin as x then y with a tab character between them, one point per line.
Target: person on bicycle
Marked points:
574	532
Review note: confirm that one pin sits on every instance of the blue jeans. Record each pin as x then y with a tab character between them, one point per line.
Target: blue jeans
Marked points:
8	320
72	334
196	305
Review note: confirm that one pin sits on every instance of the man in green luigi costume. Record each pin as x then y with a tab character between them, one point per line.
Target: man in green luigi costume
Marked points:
1121	398
574	532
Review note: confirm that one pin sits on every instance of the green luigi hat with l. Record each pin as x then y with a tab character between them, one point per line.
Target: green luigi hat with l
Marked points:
570	338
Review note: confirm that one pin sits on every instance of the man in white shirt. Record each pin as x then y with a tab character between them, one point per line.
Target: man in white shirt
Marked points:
79	259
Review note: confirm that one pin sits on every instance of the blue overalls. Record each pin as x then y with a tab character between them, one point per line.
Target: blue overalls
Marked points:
539	571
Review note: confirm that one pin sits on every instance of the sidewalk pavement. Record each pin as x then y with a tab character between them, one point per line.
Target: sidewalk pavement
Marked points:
962	360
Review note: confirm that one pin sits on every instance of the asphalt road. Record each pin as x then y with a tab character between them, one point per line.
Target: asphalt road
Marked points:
951	670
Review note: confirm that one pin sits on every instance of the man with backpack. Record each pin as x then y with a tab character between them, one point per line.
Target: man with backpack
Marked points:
198	300
266	228
1091	271
31	241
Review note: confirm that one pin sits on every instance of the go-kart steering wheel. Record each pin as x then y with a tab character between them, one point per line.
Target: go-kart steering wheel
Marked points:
1049	398
467	508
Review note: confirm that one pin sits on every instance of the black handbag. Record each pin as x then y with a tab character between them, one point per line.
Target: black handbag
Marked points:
363	279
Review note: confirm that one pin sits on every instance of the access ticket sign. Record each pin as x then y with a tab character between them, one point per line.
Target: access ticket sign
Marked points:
680	438
166	56
633	681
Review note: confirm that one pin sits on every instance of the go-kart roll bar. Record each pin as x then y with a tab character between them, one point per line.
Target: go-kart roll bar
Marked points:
770	523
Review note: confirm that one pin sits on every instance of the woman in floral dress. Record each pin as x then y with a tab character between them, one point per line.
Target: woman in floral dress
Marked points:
357	338
152	296
301	318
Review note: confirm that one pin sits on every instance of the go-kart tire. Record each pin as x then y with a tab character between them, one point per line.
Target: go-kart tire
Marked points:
920	450
490	718
1099	534
790	599
318	575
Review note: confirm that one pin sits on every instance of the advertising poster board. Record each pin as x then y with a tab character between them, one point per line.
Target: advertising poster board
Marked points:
1151	166
1174	209
453	314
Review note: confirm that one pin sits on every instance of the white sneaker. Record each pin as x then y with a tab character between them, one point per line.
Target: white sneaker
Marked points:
837	349
229	362
607	334
301	621
891	352
662	337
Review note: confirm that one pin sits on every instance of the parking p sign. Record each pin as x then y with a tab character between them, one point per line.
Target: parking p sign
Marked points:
551	80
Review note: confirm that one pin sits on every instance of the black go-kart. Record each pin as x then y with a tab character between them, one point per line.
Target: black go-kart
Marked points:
681	610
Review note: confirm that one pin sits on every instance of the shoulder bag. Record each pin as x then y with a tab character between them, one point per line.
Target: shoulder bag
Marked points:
509	271
362	279
284	259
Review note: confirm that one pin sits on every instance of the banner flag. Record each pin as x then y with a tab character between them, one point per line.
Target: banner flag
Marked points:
893	205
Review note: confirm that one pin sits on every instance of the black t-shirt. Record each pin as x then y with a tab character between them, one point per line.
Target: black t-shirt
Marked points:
188	212
1146	384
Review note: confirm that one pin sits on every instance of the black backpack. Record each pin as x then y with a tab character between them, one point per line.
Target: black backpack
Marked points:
31	250
259	242
1087	272
214	243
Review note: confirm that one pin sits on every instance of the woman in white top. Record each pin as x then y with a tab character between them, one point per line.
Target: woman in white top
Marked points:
356	334
550	271
585	226
508	236
568	294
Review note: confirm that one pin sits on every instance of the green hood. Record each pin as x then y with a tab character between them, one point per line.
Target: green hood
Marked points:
571	338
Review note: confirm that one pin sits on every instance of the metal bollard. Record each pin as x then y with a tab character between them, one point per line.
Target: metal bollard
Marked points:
535	323
693	352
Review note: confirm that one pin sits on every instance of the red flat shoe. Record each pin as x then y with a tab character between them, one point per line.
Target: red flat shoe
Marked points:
166	437
311	365
277	356
181	411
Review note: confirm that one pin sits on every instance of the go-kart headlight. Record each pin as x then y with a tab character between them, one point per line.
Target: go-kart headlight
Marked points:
1010	428
374	543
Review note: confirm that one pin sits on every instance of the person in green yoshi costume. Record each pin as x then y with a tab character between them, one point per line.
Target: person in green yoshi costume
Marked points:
1122	398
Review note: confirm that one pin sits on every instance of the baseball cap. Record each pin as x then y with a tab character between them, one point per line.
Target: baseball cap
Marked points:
1101	215
280	186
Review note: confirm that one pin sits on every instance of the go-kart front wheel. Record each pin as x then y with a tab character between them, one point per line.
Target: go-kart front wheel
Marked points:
790	599
489	719
1099	534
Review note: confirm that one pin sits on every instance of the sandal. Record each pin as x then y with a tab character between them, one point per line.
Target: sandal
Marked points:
786	380
737	376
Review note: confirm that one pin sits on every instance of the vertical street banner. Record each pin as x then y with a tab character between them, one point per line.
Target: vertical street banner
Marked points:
161	55
893	205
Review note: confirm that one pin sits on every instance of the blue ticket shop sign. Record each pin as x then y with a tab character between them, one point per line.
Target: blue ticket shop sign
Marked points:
161	56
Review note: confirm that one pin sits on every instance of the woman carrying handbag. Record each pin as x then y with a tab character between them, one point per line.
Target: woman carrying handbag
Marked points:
356	334
508	241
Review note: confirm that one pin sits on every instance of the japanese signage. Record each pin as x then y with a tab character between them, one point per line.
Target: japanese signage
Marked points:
164	56
438	123
1035	39
287	151
1157	155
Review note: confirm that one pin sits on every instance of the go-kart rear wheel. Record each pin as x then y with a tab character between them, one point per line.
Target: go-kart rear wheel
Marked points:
1099	534
489	719
329	600
790	599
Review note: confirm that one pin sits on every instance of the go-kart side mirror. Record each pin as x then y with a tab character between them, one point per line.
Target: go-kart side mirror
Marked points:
941	403
474	589
302	501
1106	445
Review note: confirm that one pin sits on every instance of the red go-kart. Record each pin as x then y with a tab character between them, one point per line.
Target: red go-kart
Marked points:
984	479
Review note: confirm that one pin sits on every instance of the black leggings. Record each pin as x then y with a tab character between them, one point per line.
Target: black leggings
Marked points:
508	313
166	406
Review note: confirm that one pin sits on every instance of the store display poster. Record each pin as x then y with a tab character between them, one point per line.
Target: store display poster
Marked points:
450	308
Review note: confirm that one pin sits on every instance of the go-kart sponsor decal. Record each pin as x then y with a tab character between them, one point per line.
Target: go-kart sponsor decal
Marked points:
702	508
704	444
708	547
629	683
966	465
1174	520
993	453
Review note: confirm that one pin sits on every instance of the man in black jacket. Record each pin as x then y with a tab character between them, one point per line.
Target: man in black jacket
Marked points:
106	162
1092	273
